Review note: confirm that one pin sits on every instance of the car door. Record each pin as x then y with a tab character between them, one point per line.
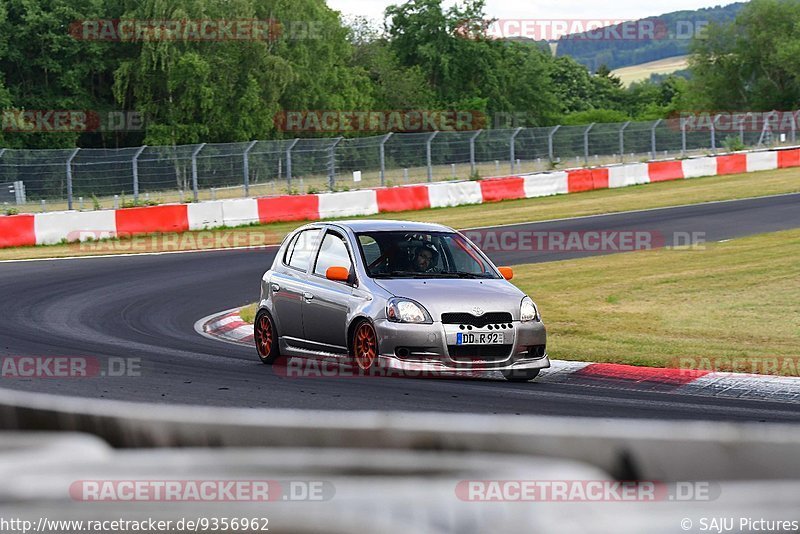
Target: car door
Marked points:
289	284
327	303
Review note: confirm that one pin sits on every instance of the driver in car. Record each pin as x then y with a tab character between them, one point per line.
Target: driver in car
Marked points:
425	258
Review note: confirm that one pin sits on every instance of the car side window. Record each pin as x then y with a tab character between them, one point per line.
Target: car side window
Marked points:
372	251
299	255
332	253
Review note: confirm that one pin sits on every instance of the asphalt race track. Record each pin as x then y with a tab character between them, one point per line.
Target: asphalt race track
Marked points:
146	307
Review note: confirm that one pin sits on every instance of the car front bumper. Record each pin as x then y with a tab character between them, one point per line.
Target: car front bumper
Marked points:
424	347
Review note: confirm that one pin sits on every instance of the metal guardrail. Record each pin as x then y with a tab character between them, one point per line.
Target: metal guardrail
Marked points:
81	178
626	449
363	490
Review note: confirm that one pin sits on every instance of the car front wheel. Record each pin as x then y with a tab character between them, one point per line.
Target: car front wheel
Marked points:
365	346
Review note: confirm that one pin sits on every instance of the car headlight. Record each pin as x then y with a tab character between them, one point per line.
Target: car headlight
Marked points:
400	310
528	311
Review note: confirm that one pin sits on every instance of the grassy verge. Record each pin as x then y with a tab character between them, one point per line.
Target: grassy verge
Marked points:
512	211
731	306
248	313
721	306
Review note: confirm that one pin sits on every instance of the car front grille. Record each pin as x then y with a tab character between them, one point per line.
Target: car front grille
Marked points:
480	322
468	353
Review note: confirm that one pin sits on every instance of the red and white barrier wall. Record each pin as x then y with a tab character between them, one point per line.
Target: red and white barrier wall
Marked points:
50	228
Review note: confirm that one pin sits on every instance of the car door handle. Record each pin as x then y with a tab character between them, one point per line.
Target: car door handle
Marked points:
308	296
276	287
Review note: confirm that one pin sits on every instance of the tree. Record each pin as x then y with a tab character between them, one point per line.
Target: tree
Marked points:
466	69
45	68
752	63
232	90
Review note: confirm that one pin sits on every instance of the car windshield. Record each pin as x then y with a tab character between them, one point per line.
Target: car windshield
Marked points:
422	255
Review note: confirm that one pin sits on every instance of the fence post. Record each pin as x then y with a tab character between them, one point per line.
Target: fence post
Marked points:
741	129
653	138
428	153
289	166
194	170
513	148
383	158
246	167
550	143
714	135
622	142
794	127
135	164
2	151
332	163
69	177
586	143
472	151
683	137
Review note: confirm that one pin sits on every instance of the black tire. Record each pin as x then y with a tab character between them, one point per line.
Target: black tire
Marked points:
521	375
265	336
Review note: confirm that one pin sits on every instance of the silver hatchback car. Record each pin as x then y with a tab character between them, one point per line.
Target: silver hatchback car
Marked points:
396	295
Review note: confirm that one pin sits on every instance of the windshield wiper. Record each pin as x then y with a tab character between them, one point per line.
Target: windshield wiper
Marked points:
462	274
430	274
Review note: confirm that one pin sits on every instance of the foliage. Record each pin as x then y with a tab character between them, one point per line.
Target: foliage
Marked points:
733	143
751	64
670	33
429	55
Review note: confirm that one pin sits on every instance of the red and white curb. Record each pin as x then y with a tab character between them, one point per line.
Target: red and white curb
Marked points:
74	226
228	326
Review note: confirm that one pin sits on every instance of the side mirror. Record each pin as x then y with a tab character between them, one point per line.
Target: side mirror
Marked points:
507	272
338	274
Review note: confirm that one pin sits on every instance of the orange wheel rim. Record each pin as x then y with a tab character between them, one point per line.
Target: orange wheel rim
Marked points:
366	346
264	336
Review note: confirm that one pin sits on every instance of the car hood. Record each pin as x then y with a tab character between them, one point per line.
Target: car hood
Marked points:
458	295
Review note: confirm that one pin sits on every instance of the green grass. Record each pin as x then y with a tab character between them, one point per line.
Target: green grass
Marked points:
734	300
656	195
248	313
720	307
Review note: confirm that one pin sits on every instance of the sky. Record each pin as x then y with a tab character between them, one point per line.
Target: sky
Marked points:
545	9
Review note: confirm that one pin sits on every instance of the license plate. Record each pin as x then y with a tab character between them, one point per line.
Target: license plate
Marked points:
480	338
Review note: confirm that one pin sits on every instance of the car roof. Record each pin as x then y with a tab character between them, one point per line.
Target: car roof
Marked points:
381	225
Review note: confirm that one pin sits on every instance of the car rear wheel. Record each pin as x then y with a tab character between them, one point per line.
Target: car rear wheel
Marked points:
521	375
365	346
266	338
